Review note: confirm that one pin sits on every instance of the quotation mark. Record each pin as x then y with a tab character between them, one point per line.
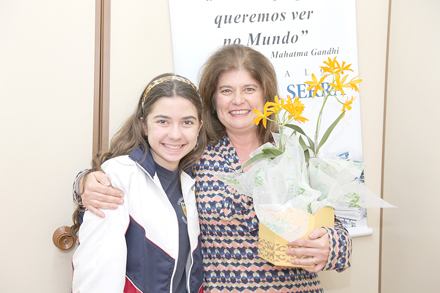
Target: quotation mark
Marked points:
304	33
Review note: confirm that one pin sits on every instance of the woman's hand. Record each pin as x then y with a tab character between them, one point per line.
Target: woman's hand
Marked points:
98	194
317	247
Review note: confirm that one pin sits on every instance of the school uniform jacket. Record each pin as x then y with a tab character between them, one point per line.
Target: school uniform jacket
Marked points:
135	248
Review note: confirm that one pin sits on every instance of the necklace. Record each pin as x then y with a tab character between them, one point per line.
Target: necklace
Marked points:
241	160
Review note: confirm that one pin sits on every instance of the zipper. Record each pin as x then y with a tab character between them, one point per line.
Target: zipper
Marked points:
188	278
176	222
191	190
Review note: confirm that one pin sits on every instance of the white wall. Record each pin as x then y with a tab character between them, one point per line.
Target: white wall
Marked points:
410	232
46	103
140	50
372	23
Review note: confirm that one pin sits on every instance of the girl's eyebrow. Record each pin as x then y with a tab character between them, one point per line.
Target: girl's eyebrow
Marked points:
168	117
161	116
189	117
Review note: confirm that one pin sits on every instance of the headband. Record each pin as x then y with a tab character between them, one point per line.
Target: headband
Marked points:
167	78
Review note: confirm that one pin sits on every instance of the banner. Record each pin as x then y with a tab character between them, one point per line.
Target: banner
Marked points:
296	36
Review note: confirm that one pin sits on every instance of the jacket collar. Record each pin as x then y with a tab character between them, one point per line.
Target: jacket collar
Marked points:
147	162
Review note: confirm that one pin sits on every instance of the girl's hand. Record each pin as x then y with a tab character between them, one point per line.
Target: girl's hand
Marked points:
98	194
317	247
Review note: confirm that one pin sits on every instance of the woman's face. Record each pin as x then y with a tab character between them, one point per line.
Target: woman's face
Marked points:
236	97
172	128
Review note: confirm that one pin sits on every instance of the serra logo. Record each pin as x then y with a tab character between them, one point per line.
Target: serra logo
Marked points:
182	204
300	90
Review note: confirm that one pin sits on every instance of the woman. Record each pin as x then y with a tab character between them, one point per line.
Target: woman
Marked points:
235	80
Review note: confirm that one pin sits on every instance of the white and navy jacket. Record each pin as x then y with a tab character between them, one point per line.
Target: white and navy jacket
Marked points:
135	248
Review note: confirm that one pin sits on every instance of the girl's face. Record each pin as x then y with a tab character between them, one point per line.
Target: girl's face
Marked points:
172	128
237	95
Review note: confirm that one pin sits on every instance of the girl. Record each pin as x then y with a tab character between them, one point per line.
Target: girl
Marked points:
151	242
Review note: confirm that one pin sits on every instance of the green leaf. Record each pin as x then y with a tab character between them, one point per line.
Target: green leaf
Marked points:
258	157
307	150
312	144
307	156
303	144
299	129
296	128
272	151
329	131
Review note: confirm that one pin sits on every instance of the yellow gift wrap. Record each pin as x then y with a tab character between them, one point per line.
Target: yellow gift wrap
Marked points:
272	247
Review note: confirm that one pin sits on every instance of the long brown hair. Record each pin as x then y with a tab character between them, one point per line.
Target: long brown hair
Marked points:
229	58
131	135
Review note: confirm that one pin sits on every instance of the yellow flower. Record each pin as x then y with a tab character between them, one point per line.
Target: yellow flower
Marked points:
331	66
262	116
339	84
295	109
347	105
353	83
315	84
342	68
275	106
